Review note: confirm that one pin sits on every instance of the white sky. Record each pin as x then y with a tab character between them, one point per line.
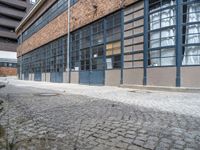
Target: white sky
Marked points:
8	55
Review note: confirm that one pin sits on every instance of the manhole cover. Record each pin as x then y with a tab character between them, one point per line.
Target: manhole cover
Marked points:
2	85
137	91
48	94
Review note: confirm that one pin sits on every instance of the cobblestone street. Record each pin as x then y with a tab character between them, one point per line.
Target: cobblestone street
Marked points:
43	117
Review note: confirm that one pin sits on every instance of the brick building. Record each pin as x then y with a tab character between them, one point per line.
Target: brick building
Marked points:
11	13
112	42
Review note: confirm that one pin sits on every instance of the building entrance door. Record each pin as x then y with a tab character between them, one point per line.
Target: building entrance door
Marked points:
37	72
26	75
56	74
92	70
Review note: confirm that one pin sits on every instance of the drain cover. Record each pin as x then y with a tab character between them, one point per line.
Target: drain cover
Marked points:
138	91
48	94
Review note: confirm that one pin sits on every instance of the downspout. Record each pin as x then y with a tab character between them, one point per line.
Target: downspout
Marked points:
68	41
21	67
146	20
179	20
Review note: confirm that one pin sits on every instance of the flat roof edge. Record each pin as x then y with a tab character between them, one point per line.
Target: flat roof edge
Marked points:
29	15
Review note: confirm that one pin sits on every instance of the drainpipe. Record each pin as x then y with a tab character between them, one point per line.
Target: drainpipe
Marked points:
68	41
20	72
146	19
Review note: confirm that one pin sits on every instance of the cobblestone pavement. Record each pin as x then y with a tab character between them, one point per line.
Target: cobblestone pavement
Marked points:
175	102
65	121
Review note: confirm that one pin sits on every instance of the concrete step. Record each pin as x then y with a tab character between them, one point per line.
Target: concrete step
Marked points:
162	88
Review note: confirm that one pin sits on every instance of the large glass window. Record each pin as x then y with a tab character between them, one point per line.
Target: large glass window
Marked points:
97	58
85	59
85	37
113	41
85	43
98	33
113	31
75	39
97	51
191	32
48	58
56	60
91	48
8	64
162	32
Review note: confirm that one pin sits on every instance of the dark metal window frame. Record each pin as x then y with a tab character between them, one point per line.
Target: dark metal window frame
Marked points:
44	58
160	29
114	22
185	24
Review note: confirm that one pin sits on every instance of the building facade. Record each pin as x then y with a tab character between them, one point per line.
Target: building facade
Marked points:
11	13
151	42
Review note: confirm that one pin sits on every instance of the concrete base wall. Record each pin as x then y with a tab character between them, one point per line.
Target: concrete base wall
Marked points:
74	77
30	76
133	76
43	77
22	76
47	77
112	77
65	77
165	76
25	77
190	76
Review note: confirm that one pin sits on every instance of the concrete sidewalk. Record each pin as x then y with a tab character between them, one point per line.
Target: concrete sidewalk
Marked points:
162	88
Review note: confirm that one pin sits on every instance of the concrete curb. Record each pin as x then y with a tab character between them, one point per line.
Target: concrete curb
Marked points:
162	88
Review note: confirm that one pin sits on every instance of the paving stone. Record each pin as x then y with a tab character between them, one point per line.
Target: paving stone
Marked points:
131	136
189	149
150	146
134	147
164	140
180	143
112	135
131	132
138	142
122	145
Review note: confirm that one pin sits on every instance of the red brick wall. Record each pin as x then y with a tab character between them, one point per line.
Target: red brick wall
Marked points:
82	13
6	71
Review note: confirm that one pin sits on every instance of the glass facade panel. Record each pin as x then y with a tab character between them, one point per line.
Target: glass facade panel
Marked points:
191	32
162	33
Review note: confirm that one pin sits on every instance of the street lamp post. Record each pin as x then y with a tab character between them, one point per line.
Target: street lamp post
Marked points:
68	41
